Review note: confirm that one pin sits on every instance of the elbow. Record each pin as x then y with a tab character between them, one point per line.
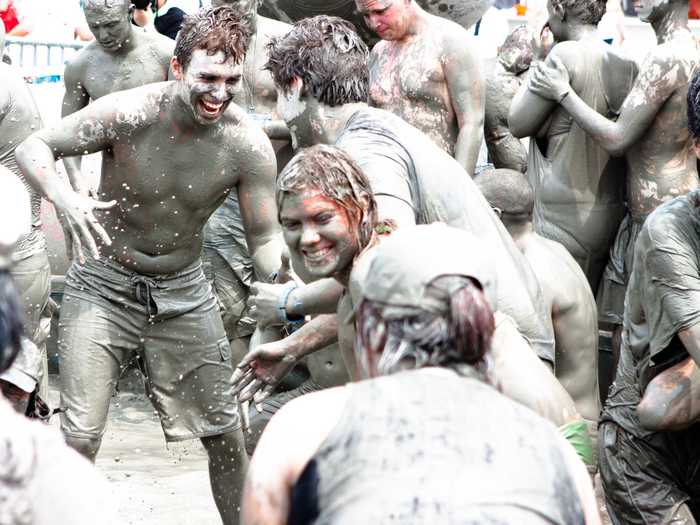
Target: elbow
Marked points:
614	148
654	417
516	127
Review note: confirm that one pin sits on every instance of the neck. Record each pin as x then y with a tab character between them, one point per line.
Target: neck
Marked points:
333	121
519	231
129	44
673	21
581	31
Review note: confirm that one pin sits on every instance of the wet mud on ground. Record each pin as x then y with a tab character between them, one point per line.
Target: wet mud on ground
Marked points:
151	484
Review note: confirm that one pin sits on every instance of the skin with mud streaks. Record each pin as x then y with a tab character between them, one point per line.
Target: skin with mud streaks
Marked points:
564	288
122	56
424	71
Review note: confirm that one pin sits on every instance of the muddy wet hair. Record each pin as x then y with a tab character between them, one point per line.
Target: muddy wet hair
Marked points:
587	11
460	336
694	105
328	55
215	29
507	190
332	172
11	329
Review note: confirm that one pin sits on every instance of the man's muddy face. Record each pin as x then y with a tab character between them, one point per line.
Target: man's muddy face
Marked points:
318	233
110	25
389	19
648	10
210	82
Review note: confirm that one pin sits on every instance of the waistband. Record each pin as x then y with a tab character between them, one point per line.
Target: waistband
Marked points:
109	268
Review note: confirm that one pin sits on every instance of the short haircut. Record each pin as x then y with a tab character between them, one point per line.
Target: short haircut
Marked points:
215	29
328	55
588	11
95	4
694	105
517	51
333	173
508	190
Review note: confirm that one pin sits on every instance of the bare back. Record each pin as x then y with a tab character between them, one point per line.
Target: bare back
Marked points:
568	297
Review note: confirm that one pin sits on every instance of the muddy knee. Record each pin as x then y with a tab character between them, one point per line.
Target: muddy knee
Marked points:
87	447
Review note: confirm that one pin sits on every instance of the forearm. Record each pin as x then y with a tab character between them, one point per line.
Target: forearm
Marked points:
315	335
320	297
606	133
266	255
277	130
38	165
528	113
468	145
73	165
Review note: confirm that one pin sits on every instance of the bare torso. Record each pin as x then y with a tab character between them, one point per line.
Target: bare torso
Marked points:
407	78
166	181
567	295
661	165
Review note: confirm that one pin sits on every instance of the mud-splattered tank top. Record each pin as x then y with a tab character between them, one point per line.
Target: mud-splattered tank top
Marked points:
430	446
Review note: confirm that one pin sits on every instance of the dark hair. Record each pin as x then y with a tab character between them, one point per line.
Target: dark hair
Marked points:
694	105
517	51
508	190
215	29
588	11
462	335
333	173
327	54
11	330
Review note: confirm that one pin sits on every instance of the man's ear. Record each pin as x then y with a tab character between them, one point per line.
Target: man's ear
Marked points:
176	68
696	146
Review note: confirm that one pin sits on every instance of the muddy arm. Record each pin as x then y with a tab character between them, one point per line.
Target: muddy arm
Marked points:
465	83
75	99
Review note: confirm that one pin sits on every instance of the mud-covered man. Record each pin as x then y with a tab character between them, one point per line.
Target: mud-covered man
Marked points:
19	117
651	130
171	153
649	430
579	192
565	290
424	71
320	69
122	56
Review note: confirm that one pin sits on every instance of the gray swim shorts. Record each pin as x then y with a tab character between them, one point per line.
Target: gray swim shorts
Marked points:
110	313
613	285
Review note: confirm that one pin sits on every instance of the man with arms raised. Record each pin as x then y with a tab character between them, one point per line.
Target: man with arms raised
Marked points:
578	191
565	290
651	131
171	153
320	69
424	71
121	57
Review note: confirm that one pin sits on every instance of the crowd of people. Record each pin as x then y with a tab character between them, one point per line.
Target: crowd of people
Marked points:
322	276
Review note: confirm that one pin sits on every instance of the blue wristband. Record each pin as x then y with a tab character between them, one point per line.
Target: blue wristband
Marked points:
282	305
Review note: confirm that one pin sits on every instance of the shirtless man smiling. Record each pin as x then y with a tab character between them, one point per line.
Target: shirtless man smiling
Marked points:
424	71
171	153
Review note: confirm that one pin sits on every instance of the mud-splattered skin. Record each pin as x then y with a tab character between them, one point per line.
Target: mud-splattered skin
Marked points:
652	127
424	71
568	297
169	163
121	57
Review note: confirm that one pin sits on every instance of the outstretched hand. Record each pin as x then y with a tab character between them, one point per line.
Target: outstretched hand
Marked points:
75	212
550	81
261	370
